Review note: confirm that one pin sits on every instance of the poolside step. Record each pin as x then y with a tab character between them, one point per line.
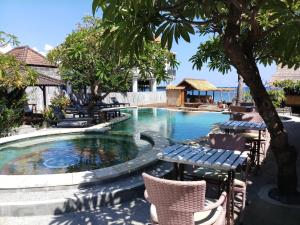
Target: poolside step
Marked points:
30	202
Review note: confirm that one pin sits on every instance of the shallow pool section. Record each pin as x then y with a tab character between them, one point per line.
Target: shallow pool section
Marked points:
176	125
68	153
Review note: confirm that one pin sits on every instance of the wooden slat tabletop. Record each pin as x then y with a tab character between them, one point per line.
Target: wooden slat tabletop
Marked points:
203	156
242	125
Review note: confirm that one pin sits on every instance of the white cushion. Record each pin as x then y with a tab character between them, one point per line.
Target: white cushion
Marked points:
208	217
203	218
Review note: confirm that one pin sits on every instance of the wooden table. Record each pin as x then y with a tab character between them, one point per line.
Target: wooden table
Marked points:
219	159
244	125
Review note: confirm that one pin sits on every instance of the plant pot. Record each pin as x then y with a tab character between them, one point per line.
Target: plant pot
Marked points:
45	124
292	100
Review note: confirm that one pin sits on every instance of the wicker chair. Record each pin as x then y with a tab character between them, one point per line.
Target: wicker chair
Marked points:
182	202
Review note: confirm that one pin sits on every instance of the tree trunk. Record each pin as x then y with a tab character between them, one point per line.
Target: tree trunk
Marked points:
242	58
285	154
240	90
93	100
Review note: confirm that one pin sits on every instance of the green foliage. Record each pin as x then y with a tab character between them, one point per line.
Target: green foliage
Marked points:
14	77
14	74
85	60
211	52
289	87
277	97
6	39
61	102
49	116
247	96
265	25
11	110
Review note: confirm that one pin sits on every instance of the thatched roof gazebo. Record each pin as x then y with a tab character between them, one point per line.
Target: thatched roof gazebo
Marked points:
178	95
197	84
284	73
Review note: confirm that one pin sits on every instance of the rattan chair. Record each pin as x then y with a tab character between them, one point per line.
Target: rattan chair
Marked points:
183	202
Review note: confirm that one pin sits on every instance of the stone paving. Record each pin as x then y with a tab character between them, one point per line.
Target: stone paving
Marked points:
261	212
134	212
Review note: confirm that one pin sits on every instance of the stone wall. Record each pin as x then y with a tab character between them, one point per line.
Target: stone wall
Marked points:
35	94
138	98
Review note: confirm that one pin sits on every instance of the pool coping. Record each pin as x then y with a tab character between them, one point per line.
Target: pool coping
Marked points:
70	179
52	131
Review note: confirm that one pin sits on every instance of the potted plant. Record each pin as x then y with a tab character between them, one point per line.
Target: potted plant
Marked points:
291	91
49	117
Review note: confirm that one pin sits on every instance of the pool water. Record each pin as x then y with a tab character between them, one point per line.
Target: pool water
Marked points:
68	153
82	152
176	125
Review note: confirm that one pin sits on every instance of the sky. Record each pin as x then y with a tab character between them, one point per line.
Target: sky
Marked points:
44	24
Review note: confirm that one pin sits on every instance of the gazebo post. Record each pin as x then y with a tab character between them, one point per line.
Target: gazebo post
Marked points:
213	96
43	88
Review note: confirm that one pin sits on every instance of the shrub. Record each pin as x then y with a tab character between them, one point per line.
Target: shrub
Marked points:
49	116
11	110
60	101
277	97
289	87
247	97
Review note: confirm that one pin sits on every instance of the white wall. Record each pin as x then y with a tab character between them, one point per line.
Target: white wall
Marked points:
35	96
138	98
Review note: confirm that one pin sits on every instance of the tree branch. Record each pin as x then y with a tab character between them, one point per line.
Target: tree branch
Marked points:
180	19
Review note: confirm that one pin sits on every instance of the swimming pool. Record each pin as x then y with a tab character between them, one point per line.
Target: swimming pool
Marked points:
176	125
68	153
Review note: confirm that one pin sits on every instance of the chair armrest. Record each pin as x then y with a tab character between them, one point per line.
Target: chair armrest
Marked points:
217	203
146	196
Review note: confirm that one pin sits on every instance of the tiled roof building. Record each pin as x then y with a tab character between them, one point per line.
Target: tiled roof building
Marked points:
48	83
30	57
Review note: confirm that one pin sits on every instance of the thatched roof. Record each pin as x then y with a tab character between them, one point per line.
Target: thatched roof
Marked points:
285	74
174	87
198	84
226	89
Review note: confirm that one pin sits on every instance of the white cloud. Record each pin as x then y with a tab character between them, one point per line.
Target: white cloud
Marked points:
44	52
35	49
6	48
48	47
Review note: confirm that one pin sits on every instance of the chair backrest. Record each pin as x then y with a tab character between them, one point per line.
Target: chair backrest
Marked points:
227	141
252	117
235	108
175	201
247	104
114	100
58	113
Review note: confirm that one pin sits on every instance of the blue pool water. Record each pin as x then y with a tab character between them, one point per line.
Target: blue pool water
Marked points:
67	153
81	152
176	125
